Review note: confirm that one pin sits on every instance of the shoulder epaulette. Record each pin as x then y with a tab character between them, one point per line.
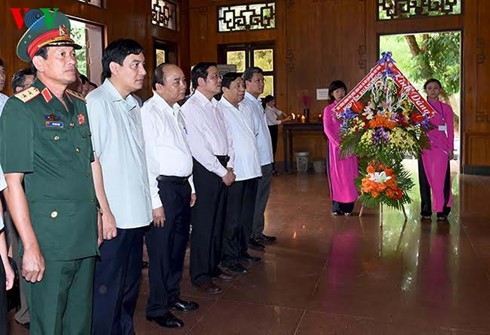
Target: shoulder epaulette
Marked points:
76	94
28	94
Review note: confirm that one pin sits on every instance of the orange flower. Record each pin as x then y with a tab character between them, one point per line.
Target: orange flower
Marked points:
390	193
389	171
381	121
370	169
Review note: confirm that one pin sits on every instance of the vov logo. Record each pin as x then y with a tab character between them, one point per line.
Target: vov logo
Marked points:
27	16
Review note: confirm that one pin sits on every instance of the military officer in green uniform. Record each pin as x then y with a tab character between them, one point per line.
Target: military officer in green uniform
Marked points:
45	142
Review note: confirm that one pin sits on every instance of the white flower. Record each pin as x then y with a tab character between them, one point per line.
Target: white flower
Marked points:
379	177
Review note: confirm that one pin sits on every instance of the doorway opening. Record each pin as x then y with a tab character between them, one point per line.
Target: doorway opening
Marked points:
89	58
428	55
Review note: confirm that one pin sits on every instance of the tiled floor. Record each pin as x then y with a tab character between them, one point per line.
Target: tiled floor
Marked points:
348	275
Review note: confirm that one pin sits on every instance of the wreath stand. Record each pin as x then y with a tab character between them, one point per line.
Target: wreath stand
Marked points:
381	214
380	246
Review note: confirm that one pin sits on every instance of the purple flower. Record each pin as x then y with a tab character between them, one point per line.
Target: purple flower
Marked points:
348	114
380	136
426	123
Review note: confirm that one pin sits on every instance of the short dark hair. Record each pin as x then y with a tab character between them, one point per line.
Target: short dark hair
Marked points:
84	79
159	75
19	78
200	70
228	78
335	85
1	62
117	51
266	100
432	80
43	52
249	72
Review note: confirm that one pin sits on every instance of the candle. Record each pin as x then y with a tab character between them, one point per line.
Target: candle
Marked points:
303	119
294	116
319	117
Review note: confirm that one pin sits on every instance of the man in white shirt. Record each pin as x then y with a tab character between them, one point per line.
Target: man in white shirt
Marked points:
243	192
169	161
254	84
3	97
6	272
121	185
211	146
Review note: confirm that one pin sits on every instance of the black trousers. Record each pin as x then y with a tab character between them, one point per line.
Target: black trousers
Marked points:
344	207
207	219
116	283
3	301
425	195
166	247
274	130
240	208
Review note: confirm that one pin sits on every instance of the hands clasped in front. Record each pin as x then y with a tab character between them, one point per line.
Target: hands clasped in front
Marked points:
229	177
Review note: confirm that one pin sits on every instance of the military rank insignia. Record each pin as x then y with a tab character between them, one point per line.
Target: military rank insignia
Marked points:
28	94
53	121
81	119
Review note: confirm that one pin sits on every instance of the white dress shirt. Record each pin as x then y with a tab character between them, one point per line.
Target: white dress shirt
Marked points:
3	184
3	100
167	151
247	163
207	133
264	142
271	113
117	137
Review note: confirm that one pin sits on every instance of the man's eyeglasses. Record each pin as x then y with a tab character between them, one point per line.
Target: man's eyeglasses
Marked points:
214	76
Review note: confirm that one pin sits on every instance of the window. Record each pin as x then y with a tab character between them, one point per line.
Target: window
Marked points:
164	14
160	56
399	9
244	56
97	3
247	17
165	52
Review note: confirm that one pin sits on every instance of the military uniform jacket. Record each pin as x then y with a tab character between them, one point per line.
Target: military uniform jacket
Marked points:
52	147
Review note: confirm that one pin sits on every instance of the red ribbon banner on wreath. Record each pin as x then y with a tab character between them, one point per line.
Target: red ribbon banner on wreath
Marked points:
385	67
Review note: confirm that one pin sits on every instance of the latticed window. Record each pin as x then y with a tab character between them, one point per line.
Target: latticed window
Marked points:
97	3
164	14
403	9
255	16
243	56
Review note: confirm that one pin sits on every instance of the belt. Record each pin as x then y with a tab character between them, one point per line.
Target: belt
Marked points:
173	179
223	159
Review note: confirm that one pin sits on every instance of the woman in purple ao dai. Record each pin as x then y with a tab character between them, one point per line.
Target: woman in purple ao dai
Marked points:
434	171
341	172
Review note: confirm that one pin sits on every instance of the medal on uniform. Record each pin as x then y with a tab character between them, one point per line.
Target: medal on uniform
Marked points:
53	121
52	117
81	119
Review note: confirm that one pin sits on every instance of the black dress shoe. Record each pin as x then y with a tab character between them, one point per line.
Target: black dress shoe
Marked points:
225	276
269	237
168	320
236	268
184	306
254	245
266	239
209	288
251	259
